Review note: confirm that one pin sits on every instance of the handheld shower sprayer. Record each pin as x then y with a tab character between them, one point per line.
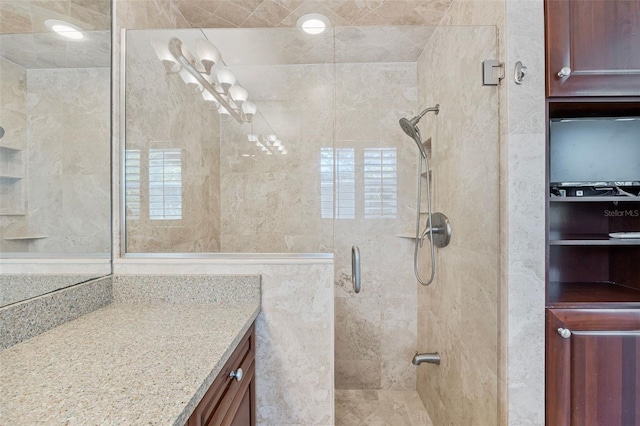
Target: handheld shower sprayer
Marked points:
437	223
410	127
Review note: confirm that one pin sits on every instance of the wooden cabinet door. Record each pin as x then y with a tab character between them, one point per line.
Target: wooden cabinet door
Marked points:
228	401
599	41
593	371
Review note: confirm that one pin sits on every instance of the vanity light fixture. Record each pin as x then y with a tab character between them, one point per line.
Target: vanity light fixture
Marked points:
313	23
65	29
208	73
269	144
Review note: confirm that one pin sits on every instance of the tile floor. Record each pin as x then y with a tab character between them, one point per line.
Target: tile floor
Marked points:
380	408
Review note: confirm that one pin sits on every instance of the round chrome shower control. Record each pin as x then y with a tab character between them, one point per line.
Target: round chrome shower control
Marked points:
441	230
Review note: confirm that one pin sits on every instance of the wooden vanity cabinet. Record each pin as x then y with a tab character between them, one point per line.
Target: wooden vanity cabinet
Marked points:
593	367
231	402
598	41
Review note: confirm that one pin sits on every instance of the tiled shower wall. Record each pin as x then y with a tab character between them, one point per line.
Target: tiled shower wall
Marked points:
163	113
68	142
59	119
272	203
458	313
376	329
13	118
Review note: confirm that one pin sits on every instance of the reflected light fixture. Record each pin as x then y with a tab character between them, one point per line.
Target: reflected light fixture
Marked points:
313	23
162	52
208	73
269	144
65	29
208	53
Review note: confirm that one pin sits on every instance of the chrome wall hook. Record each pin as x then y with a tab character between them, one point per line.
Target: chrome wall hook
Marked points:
519	72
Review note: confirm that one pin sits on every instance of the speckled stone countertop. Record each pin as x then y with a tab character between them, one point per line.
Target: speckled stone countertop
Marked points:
125	364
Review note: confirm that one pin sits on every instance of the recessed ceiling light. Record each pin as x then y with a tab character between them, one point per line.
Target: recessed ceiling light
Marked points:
313	23
65	29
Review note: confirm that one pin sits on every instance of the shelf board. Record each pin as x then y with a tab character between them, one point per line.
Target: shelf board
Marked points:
411	237
561	294
593	199
10	177
10	213
9	148
592	240
26	237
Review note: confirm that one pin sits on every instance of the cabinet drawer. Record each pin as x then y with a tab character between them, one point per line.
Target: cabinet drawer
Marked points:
228	398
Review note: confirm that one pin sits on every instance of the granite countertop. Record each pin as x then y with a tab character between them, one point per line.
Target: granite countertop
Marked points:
125	364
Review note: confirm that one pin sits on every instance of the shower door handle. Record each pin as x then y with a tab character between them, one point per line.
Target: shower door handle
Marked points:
355	269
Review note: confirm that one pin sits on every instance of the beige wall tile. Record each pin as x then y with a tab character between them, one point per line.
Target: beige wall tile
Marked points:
457	314
525	162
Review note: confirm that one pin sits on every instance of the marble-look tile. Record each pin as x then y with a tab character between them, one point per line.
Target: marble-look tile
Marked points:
384	407
526	44
180	120
290	329
526	278
408	12
13	118
202	15
358	329
15	17
66	153
475	12
27	319
27	16
357	374
271	12
370	86
457	314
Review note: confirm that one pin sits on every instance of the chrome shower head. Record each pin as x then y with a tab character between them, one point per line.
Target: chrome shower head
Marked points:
410	127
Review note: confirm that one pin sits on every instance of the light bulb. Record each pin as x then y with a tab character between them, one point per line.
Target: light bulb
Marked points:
249	109
225	77
278	142
190	80
162	52
64	29
313	23
208	97
239	94
252	137
272	137
208	53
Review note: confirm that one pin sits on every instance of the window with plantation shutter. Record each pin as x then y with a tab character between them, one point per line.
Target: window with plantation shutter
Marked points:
380	183
337	167
165	184
132	183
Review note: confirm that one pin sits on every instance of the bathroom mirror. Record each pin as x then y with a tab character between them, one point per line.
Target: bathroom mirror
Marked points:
55	196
